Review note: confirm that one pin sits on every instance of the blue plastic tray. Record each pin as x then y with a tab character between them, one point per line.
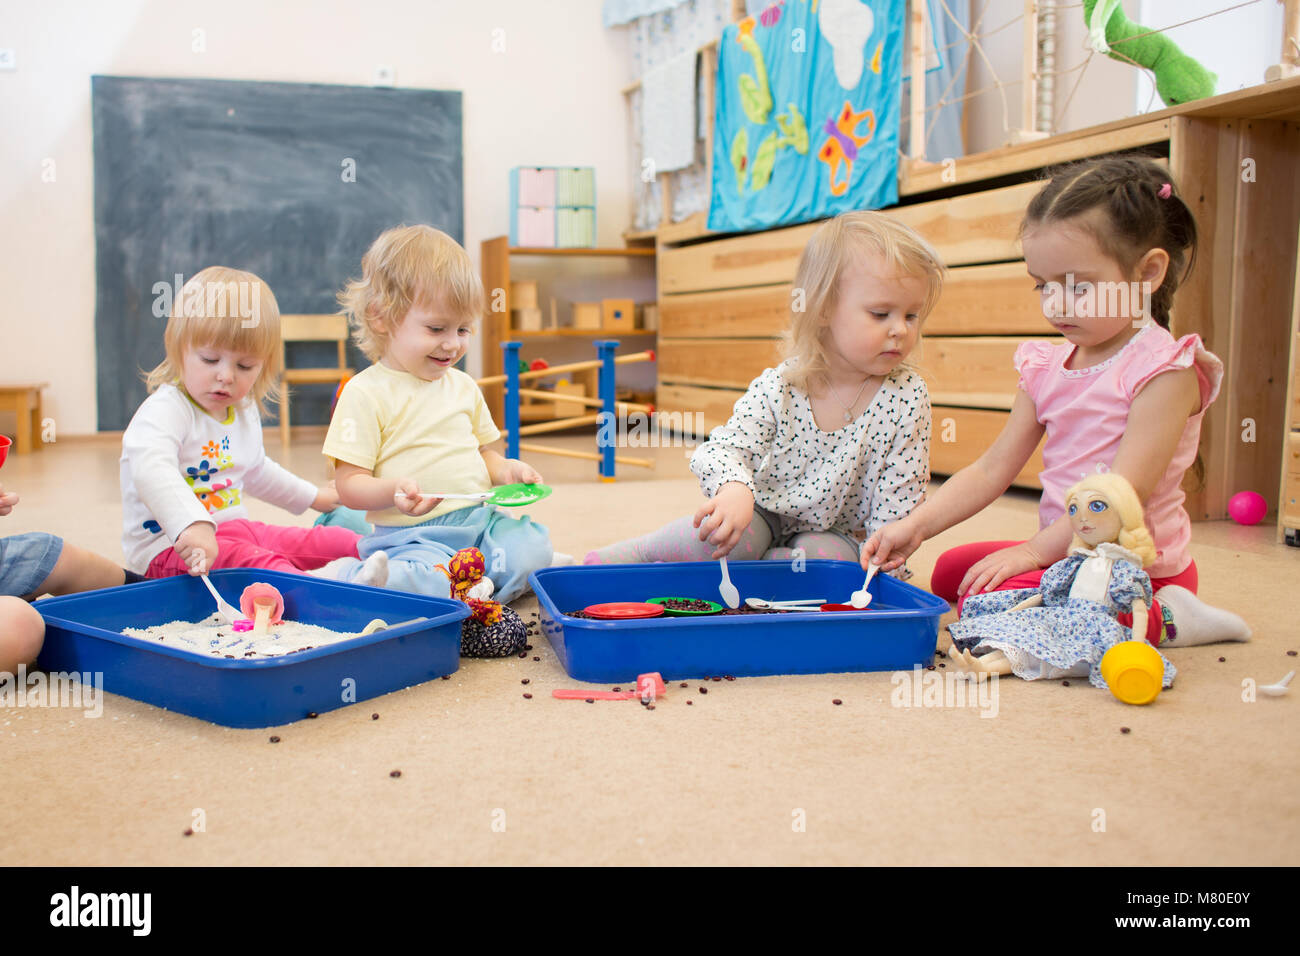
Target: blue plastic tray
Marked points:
896	632
83	633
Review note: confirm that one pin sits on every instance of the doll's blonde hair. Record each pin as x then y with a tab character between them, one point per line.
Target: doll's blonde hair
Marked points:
833	247
1119	494
405	266
224	308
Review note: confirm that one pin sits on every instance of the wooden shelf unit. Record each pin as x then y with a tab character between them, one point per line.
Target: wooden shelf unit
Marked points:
724	300
495	260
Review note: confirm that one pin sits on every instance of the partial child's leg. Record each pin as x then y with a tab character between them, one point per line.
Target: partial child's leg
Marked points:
22	632
76	569
817	545
305	548
680	541
512	549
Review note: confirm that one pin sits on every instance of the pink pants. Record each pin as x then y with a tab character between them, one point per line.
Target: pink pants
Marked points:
955	562
251	544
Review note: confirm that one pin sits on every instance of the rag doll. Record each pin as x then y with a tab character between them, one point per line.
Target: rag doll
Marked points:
1063	627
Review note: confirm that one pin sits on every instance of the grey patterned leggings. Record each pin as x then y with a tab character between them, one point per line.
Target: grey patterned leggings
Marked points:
680	541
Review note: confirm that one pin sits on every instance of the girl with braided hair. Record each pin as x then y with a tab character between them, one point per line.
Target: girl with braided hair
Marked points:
1107	242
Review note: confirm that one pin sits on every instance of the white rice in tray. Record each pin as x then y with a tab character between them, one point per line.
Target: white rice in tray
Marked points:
214	637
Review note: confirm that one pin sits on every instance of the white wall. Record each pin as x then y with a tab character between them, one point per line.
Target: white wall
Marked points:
552	97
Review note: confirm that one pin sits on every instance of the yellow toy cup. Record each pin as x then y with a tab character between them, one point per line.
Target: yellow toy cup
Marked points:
1133	671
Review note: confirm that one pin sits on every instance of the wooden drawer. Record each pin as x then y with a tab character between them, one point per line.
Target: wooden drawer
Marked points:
978	227
969	433
719	362
975	371
988	300
742	313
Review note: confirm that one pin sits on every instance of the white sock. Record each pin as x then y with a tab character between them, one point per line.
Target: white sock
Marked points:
340	569
1197	622
482	591
374	573
559	558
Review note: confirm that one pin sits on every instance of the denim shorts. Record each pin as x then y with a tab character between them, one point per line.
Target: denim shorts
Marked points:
26	560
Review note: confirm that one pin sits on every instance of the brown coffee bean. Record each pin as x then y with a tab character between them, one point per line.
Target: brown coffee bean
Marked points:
522	655
930	668
591	700
1290	653
649	706
683	683
617	689
537	658
837	701
275	740
704	690
1222	660
396	773
374	716
446	677
1125	730
524	681
717	678
312	714
188	832
689	703
528	696
730	677
528	647
1065	683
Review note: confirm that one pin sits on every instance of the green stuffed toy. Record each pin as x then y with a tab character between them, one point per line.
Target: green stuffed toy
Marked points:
1179	78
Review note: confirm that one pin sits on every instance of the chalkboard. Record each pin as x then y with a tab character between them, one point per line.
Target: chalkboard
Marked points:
255	176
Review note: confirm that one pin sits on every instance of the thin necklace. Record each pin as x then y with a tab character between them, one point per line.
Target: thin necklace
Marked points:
848	416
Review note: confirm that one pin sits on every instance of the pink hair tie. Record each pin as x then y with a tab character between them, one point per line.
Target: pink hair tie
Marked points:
1165	191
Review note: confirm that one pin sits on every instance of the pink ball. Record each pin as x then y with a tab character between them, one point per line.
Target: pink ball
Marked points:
1247	507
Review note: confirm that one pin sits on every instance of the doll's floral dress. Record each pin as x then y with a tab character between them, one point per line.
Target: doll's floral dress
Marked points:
1075	625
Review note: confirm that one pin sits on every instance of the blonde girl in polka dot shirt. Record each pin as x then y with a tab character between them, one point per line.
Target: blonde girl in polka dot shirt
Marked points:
834	442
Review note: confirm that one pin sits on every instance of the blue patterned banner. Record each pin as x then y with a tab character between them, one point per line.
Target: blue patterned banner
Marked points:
806	116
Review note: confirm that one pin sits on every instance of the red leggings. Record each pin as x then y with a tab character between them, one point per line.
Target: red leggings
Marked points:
251	544
955	562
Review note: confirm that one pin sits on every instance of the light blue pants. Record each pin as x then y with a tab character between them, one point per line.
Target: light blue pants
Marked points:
512	548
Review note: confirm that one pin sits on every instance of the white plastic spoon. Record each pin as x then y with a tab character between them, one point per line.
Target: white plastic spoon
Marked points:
1280	688
228	611
476	496
730	596
812	604
861	599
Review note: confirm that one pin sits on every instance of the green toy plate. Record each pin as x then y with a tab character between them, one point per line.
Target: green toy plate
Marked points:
516	496
714	607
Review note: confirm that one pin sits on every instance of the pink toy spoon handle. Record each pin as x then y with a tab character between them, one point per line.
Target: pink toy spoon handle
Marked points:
594	694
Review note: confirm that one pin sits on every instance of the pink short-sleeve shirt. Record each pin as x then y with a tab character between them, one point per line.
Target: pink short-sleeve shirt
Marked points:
1085	411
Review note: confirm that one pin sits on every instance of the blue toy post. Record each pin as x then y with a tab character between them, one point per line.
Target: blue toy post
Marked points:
607	426
511	358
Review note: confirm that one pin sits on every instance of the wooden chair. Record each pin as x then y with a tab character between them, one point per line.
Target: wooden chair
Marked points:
310	328
25	402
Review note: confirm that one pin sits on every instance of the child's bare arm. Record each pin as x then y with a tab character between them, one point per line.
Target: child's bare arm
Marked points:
507	471
965	493
358	488
1156	419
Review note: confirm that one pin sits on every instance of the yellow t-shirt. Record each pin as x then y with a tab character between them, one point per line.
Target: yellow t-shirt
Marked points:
396	425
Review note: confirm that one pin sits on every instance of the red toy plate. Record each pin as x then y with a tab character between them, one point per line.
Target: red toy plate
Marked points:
841	607
623	610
